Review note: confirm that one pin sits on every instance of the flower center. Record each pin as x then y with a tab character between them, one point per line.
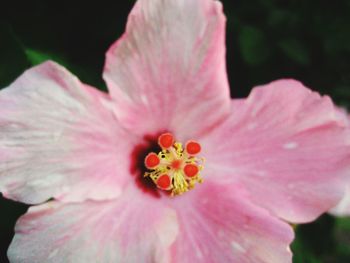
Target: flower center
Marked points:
176	165
175	168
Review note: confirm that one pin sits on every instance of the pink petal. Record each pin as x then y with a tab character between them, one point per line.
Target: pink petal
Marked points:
343	207
59	139
129	229
288	146
169	68
220	224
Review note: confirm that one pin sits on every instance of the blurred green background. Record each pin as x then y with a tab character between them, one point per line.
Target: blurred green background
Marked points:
266	39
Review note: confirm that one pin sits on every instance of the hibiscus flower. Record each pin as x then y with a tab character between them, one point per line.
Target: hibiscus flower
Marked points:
166	167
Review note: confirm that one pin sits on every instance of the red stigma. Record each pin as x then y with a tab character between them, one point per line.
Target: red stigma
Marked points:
166	140
191	170
152	160
164	182
193	147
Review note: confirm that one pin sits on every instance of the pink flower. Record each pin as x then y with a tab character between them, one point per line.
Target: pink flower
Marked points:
279	156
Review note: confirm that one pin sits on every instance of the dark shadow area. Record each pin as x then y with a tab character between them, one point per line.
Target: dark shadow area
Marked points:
9	211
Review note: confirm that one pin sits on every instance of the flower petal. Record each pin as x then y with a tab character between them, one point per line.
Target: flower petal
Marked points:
220	224
343	207
129	229
288	146
169	67
58	139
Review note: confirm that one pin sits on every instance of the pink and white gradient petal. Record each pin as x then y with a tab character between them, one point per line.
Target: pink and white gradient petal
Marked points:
58	138
128	229
219	224
167	72
343	207
288	146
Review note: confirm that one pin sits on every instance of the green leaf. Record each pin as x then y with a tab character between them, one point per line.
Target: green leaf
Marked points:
35	57
295	50
13	60
314	241
253	45
86	75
